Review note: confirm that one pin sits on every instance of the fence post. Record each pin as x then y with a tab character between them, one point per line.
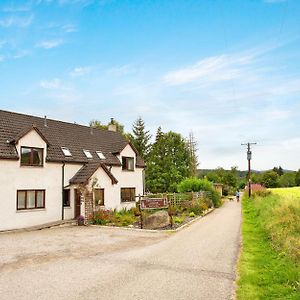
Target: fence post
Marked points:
141	216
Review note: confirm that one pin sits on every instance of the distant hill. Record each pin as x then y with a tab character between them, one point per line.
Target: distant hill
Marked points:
241	174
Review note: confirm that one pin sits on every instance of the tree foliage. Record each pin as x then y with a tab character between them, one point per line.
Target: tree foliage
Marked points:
278	170
194	184
297	178
287	179
270	179
192	146
97	124
168	162
140	137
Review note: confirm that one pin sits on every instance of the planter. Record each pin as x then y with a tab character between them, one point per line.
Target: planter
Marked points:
80	221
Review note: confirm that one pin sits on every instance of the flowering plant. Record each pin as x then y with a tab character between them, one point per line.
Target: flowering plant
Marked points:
80	218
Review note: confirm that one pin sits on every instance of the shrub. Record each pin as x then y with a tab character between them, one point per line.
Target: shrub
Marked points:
196	185
178	220
102	217
192	214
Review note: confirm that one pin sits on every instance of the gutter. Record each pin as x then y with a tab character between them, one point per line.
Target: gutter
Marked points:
62	190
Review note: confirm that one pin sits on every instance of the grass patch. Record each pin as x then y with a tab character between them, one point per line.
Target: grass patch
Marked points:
264	272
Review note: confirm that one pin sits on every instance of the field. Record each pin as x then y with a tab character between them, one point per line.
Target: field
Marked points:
269	266
293	192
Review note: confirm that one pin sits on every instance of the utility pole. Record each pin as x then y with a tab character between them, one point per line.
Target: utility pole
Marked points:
249	156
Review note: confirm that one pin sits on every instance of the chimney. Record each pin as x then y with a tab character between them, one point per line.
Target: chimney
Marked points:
92	130
45	121
112	126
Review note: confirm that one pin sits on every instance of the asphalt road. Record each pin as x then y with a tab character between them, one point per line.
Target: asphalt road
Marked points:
95	263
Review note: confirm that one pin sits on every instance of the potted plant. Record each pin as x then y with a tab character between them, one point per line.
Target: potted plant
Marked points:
80	220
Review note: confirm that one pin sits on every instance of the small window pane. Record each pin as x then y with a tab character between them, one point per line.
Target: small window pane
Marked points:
37	156
39	199
99	196
66	151
66	197
25	156
100	155
88	154
127	194
30	199
130	164
21	199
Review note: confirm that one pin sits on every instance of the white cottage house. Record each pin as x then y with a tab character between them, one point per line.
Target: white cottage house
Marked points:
52	170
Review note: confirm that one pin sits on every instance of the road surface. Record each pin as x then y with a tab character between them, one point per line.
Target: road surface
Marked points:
95	263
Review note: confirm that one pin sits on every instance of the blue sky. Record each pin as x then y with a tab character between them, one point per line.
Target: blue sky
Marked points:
227	70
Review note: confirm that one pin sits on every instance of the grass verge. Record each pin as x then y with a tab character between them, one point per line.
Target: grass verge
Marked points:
264	273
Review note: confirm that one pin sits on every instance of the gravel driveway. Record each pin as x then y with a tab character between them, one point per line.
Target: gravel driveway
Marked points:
103	263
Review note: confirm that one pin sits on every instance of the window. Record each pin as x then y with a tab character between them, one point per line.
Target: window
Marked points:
66	198
66	151
127	194
87	153
100	155
31	156
30	199
99	197
127	163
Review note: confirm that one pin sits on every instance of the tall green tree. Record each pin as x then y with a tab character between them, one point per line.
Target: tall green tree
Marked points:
140	137
278	170
192	146
168	162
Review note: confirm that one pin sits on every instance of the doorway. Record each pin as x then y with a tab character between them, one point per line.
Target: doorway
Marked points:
77	205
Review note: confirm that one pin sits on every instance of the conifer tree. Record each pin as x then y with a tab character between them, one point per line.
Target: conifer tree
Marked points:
140	137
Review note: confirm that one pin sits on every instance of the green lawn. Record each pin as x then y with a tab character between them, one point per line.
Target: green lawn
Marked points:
266	270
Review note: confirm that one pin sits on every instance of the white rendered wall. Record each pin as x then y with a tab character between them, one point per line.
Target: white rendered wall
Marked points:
127	179
13	177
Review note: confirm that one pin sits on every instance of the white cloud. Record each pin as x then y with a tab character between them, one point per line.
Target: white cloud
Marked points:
69	28
80	71
16	21
49	44
53	84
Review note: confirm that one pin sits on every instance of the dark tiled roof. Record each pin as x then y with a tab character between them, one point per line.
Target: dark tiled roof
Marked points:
85	173
61	134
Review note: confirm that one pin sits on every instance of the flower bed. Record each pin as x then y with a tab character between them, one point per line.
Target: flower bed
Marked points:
180	214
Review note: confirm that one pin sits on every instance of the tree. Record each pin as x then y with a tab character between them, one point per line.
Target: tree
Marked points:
140	137
270	179
168	162
97	124
297	177
278	170
192	146
287	179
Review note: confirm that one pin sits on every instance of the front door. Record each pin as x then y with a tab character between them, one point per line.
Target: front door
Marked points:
77	203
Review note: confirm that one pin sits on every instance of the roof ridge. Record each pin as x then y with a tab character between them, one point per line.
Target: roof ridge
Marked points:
60	121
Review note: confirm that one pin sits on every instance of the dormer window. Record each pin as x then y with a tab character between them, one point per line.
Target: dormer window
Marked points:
88	154
100	155
127	163
66	151
31	156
